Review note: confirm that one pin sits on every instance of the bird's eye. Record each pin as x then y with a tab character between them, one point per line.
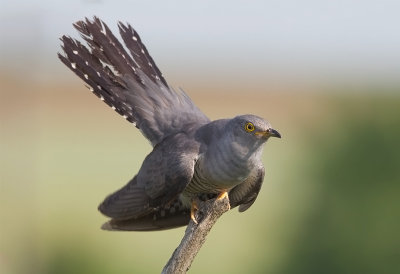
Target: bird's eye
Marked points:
249	127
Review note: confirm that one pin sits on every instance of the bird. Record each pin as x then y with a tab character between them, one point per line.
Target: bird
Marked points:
192	157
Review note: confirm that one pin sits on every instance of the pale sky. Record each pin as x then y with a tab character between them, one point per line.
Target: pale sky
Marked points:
353	39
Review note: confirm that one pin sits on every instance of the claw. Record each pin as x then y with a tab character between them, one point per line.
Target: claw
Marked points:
193	210
222	195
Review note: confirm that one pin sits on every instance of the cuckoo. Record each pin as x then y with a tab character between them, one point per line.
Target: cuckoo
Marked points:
193	158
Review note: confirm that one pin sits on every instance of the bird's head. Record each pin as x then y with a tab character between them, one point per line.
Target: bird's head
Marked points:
252	129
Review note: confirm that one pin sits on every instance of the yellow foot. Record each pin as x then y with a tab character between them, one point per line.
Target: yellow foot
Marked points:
193	210
222	195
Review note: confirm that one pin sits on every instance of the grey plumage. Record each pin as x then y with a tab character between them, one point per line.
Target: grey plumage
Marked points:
192	157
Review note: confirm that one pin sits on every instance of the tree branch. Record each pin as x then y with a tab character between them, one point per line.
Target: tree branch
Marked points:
195	235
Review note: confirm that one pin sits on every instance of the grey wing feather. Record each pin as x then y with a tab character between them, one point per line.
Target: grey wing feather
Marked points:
245	194
130	201
130	83
164	174
169	168
170	216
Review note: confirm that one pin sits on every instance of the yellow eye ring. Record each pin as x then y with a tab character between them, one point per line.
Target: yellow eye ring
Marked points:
249	127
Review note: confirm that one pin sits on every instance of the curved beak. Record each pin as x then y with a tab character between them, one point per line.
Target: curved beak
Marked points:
269	133
274	133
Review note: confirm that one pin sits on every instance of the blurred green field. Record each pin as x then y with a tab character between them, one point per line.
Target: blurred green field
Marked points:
330	201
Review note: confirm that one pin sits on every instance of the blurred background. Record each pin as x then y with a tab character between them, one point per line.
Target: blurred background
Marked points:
325	74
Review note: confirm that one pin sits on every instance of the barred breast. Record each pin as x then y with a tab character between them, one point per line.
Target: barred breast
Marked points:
219	170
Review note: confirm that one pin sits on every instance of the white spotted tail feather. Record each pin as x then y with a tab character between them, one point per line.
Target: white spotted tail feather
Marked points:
130	83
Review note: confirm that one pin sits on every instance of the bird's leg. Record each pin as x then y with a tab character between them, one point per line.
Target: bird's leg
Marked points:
195	207
193	211
222	195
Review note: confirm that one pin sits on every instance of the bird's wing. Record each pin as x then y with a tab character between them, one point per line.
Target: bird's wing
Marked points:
244	194
164	174
130	83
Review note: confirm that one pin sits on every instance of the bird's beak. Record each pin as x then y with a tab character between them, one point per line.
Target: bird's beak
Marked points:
274	133
269	133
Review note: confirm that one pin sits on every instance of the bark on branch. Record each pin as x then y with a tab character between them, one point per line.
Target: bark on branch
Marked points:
195	235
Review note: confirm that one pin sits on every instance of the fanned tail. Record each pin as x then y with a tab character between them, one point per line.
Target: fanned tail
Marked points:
107	63
140	53
128	80
90	65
